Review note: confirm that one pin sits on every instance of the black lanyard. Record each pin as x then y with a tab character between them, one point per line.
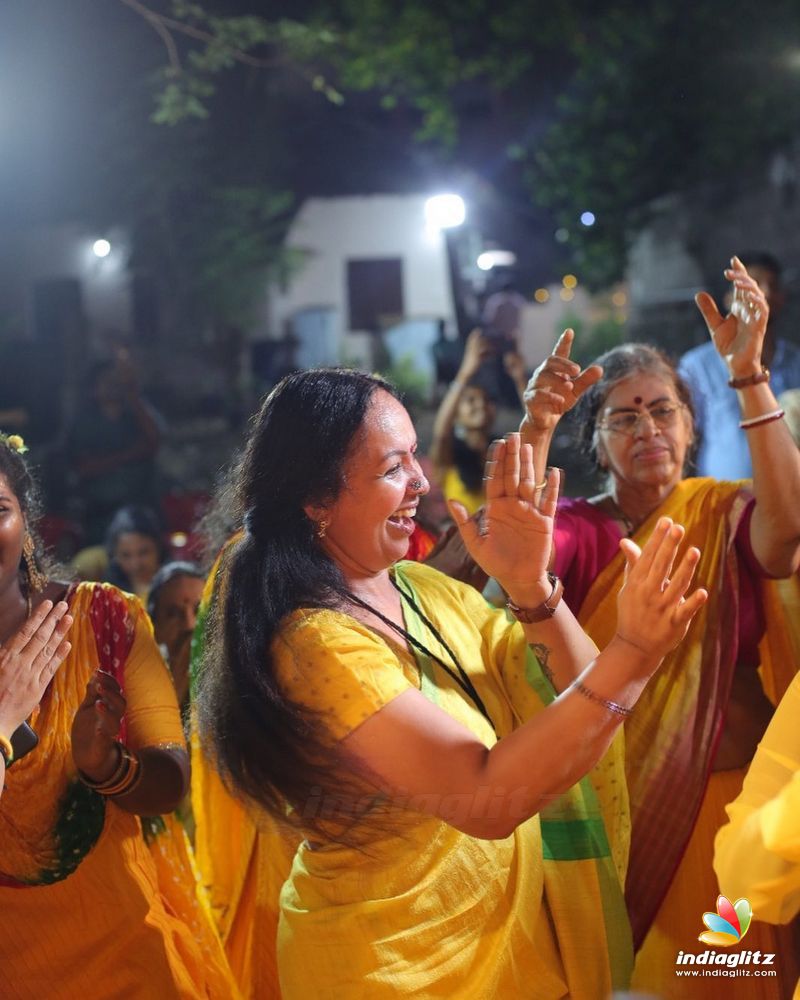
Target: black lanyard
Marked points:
459	675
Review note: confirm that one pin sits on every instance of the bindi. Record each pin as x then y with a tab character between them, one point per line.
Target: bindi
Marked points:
637	400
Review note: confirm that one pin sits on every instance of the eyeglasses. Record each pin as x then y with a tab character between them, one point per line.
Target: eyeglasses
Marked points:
663	416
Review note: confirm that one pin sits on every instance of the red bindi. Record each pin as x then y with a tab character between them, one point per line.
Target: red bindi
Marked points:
637	400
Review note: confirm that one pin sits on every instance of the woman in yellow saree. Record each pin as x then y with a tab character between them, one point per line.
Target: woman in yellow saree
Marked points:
699	721
431	761
97	900
757	853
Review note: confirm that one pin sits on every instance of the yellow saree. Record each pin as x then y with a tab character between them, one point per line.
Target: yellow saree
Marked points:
676	803
243	860
425	910
95	901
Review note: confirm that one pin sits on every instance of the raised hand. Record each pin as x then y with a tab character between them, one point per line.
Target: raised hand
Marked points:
95	727
28	661
653	612
449	555
557	385
513	539
476	350
739	336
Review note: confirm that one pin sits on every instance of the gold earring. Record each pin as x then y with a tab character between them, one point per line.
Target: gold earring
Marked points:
322	527
35	578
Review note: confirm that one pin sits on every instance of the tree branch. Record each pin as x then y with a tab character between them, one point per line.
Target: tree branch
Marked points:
164	26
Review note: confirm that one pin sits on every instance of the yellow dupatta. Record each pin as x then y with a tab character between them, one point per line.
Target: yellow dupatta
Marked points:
674	729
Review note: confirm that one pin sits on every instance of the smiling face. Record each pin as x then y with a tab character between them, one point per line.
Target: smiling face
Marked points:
650	455
12	534
371	521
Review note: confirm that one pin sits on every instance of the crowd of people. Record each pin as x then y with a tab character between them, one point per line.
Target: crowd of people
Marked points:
397	787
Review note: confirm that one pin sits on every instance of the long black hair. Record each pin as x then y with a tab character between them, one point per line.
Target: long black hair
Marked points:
25	488
470	464
270	749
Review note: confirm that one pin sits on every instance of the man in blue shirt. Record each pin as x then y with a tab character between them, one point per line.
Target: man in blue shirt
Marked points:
723	451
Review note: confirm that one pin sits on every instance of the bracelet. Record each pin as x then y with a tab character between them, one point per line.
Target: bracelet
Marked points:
7	750
765	418
545	610
741	383
126	776
612	706
119	773
130	779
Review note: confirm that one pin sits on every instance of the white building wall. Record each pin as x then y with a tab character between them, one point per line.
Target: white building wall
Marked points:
331	231
66	252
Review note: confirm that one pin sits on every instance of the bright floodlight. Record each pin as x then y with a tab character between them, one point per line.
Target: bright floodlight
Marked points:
101	248
587	218
445	211
496	258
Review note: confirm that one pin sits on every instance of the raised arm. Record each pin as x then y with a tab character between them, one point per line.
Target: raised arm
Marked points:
739	337
555	387
417	752
415	749
476	350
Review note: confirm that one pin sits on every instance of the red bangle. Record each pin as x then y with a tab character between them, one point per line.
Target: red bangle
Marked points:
767	418
742	383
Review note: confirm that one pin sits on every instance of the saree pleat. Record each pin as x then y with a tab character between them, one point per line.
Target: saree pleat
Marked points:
673	732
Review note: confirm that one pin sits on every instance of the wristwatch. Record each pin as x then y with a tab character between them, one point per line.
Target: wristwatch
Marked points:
545	610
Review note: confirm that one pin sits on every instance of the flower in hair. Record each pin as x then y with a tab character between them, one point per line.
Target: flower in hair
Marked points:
14	442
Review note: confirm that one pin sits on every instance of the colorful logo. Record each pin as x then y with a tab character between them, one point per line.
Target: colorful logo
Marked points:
729	924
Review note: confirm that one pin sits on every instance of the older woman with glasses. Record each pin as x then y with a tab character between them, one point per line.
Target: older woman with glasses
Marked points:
692	734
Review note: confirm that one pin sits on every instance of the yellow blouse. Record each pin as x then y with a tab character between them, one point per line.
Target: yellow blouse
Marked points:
422	909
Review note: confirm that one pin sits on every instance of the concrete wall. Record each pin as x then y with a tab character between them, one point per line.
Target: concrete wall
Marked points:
331	231
63	252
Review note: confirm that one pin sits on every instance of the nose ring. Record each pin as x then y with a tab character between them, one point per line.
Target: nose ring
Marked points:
415	485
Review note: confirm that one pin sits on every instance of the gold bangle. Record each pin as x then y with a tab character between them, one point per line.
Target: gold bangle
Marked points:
6	749
129	780
116	776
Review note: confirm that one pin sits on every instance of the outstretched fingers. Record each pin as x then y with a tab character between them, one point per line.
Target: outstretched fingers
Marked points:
511	467
708	307
675	593
527	475
549	498
564	344
495	470
644	563
467	526
632	554
664	556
